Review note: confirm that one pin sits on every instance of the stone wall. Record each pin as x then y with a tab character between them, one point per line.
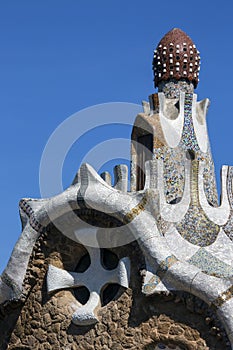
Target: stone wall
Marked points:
131	321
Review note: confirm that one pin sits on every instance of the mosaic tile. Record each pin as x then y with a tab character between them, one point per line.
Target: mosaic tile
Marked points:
210	264
196	228
150	286
189	140
174	160
228	228
152	281
32	220
172	88
163	225
222	248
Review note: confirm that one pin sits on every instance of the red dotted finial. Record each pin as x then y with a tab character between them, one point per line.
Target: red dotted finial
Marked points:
176	57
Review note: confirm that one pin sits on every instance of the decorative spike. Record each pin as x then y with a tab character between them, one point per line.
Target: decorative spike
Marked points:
106	177
121	177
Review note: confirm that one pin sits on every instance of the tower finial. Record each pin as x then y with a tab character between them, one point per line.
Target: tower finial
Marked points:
176	58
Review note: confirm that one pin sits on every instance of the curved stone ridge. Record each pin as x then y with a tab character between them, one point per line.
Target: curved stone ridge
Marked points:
176	57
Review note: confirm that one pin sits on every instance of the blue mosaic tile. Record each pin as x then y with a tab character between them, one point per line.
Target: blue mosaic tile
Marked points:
210	264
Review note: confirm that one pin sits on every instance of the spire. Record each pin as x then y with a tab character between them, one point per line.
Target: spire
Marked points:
176	58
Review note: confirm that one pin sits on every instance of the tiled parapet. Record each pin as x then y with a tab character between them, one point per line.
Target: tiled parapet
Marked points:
138	213
120	177
193	207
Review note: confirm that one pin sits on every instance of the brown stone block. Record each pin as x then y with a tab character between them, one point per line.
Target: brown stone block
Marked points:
120	333
201	345
176	330
106	318
37	307
46	346
31	341
164	327
100	329
146	330
56	328
47	320
70	338
54	301
52	339
115	314
18	330
36	271
130	332
34	324
117	346
97	343
40	335
38	296
63	339
191	334
15	340
164	318
53	311
127	343
112	327
55	347
83	347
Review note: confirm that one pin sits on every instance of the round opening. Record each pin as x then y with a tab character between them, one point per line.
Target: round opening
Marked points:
83	263
82	294
109	292
109	259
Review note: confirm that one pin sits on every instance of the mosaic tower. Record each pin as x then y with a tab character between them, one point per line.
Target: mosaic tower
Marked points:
99	267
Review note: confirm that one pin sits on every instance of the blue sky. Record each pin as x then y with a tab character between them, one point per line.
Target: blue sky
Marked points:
60	56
